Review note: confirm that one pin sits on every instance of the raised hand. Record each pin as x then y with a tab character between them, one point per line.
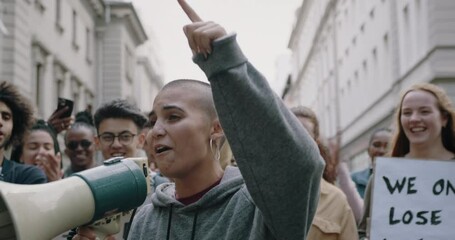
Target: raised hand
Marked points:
60	124
51	166
200	34
87	233
192	15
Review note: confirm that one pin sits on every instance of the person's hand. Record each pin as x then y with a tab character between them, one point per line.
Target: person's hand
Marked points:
51	165
343	171
87	233
200	34
60	124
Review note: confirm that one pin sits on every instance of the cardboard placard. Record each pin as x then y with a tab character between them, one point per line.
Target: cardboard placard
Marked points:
413	200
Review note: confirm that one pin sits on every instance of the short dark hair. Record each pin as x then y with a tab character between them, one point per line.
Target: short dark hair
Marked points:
83	119
204	92
120	109
21	109
376	131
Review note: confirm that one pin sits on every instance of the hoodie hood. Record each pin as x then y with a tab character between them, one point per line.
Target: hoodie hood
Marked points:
231	182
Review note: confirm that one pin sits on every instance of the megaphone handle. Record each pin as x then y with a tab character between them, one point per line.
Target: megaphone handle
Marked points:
103	230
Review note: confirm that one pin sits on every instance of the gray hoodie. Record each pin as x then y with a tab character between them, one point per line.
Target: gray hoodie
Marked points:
276	191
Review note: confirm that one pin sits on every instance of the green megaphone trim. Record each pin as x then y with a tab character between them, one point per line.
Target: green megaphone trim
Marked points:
117	186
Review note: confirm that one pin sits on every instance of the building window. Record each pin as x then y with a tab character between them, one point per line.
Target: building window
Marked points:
405	11
386	57
59	88
74	31
375	65
75	87
128	64
59	79
420	29
40	6
87	46
89	100
58	9
372	13
58	16
38	82
407	35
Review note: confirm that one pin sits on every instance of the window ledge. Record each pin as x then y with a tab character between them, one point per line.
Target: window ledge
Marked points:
129	77
40	6
75	46
59	28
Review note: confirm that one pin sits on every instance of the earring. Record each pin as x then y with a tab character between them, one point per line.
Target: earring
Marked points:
217	150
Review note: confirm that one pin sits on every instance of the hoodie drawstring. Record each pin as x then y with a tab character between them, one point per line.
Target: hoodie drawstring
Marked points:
169	223
193	232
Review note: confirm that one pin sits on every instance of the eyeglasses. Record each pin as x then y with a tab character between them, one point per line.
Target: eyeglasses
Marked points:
124	138
72	145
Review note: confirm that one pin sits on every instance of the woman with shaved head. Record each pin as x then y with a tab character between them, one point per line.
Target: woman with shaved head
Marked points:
274	192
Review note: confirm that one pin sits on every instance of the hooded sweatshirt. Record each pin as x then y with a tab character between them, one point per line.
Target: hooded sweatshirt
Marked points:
274	192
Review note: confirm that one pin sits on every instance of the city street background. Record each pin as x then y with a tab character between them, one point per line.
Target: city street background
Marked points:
348	60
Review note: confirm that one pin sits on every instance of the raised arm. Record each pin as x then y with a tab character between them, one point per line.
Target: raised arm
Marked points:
279	161
348	187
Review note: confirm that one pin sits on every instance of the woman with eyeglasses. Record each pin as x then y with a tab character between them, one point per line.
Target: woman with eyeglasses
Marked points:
39	147
79	142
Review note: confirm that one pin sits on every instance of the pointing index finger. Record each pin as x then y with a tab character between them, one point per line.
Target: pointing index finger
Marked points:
192	15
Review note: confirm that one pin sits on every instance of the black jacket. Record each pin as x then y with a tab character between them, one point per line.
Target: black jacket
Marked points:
14	172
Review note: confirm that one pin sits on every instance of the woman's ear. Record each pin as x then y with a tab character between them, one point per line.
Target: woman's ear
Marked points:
216	131
141	139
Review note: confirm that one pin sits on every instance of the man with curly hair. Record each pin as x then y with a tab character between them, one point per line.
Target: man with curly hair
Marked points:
16	116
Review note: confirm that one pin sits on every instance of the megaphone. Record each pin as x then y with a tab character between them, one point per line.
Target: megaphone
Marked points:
46	210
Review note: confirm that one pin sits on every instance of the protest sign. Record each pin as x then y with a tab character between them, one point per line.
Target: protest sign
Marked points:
413	200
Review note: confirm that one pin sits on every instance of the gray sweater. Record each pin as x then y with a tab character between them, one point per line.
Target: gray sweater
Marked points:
274	192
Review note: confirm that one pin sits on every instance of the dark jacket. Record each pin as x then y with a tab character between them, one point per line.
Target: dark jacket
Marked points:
14	172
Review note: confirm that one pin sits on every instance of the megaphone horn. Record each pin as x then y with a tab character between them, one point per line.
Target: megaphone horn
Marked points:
46	210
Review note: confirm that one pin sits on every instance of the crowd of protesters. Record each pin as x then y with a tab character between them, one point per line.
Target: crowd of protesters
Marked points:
276	178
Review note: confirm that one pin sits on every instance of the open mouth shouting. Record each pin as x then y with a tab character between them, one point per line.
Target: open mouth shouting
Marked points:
161	149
